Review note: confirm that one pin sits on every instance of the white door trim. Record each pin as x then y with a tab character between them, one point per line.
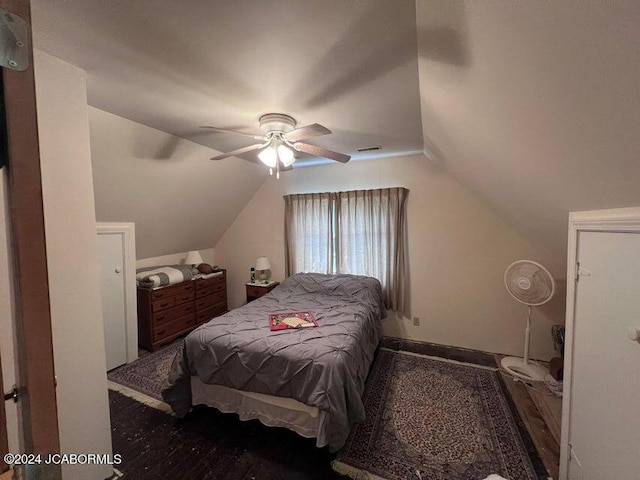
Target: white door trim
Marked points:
615	220
128	232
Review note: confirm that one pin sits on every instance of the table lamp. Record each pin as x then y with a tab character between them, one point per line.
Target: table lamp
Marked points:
262	264
193	258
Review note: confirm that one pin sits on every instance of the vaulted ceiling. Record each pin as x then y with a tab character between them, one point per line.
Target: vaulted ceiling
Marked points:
174	66
533	106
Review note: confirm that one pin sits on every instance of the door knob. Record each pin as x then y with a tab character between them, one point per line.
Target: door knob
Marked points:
633	333
118	269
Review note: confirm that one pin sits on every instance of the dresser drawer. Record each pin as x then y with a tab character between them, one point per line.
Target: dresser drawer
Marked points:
213	311
204	302
172	291
162	304
185	297
166	316
219	281
171	328
205	292
256	291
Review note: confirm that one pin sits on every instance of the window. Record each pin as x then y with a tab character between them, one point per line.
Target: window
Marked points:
360	232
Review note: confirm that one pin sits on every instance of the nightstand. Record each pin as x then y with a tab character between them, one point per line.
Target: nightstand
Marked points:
256	290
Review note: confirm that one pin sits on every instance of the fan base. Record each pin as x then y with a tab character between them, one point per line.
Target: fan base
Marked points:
531	371
276	122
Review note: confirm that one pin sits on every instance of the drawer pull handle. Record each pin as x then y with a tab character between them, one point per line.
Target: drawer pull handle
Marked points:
189	307
160	318
161	332
189	287
162	305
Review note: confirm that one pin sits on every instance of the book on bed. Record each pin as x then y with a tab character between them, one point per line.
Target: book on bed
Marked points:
286	320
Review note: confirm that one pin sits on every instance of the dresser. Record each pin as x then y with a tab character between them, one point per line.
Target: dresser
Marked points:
166	313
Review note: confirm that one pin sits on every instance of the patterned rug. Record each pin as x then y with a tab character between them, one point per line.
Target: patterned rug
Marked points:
149	373
437	420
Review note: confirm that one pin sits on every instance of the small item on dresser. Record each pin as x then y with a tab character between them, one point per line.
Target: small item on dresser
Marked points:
253	275
205	268
293	320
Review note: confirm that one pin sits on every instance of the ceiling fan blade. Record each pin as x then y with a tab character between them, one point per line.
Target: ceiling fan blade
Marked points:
321	152
302	133
239	151
226	130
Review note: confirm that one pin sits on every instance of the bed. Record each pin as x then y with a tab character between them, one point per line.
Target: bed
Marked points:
309	380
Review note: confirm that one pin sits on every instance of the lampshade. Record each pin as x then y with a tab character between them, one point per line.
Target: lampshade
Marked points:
286	155
193	258
269	156
262	263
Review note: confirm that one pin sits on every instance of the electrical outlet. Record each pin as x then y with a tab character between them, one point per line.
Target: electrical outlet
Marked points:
416	321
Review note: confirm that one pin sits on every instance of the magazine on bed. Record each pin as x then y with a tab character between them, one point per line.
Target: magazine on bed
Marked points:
286	320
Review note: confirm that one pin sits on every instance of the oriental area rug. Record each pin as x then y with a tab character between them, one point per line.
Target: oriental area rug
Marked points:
430	418
149	373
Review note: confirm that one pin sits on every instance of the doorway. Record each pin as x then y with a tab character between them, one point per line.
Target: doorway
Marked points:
600	431
116	254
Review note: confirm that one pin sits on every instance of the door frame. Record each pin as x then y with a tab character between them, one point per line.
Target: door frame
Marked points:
128	233
619	220
37	407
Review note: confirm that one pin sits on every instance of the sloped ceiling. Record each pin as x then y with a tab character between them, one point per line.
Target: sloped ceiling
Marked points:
174	66
178	200
534	106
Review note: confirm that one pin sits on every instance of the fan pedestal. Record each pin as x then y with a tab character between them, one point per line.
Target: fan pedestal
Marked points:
528	371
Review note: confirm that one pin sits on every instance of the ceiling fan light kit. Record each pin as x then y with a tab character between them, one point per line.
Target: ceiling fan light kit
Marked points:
531	284
281	138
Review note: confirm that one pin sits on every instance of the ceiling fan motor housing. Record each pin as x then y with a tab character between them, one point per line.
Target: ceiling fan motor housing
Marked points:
276	123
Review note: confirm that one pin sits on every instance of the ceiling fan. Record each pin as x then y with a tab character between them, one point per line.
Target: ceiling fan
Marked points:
279	139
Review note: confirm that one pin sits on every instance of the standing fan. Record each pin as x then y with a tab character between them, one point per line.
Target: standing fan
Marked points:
532	284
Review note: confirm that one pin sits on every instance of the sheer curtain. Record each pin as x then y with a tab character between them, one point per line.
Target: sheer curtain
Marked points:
309	233
359	232
371	239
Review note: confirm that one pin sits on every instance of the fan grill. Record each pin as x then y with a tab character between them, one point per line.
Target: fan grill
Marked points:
529	283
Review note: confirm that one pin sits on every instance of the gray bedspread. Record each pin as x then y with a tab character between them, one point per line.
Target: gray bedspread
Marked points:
325	367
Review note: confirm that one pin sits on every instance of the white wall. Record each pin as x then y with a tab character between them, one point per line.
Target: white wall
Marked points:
72	259
458	251
174	259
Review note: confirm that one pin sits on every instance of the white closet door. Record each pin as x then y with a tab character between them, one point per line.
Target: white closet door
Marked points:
605	424
111	255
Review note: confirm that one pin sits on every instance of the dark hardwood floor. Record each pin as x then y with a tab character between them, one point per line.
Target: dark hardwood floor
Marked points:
207	445
444	351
